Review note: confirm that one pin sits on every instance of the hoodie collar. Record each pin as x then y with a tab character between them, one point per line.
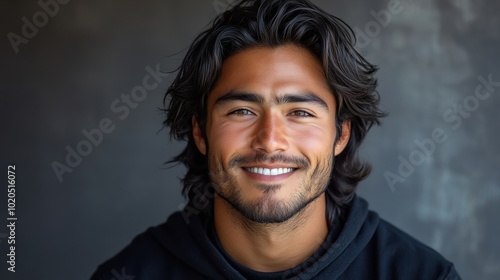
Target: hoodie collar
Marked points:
190	242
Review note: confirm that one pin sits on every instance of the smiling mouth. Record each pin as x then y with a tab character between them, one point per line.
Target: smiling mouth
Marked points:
269	171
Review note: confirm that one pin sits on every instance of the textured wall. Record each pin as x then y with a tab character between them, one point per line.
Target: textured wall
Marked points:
435	158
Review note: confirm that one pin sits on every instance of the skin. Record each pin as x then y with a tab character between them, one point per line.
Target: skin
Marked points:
271	108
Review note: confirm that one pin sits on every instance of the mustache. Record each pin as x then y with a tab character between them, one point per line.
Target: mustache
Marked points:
300	162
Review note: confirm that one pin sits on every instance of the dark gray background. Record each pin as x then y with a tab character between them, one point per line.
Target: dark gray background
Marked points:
65	79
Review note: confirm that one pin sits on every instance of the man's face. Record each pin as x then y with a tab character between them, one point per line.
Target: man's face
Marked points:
270	132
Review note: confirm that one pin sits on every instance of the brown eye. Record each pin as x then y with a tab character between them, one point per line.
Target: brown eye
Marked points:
241	112
300	113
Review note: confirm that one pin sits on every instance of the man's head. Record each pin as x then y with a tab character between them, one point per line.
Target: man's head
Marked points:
273	101
270	132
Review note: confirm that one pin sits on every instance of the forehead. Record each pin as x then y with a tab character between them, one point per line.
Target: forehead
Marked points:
272	71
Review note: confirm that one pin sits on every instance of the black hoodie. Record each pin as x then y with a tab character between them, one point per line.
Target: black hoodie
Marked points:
363	247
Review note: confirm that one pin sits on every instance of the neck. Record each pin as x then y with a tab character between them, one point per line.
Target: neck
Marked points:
271	247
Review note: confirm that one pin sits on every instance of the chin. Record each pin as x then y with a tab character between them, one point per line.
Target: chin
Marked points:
270	209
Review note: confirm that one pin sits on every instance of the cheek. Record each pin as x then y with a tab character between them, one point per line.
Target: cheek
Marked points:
226	139
314	141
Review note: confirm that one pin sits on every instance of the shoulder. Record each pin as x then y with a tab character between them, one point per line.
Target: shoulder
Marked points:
154	254
394	241
399	254
142	254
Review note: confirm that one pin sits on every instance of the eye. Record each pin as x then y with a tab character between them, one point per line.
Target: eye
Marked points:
300	113
241	112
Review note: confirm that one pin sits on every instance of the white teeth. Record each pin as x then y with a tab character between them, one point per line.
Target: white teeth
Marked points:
269	172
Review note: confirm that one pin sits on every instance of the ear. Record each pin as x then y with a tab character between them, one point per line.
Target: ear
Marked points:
345	134
199	140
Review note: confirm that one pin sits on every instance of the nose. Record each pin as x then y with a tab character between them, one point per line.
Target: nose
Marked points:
271	134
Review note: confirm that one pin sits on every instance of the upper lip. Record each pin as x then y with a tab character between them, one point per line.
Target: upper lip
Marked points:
270	166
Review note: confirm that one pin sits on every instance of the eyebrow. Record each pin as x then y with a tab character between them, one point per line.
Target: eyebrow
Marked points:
306	97
239	96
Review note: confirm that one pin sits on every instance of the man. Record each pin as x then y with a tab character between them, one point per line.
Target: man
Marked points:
274	102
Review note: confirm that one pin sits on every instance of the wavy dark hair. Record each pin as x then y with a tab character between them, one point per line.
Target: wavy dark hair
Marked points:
273	23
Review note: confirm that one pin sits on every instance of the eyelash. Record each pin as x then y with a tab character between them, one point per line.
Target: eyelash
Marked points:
241	112
297	113
301	114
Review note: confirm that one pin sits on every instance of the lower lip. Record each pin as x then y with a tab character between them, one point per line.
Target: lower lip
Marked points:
268	178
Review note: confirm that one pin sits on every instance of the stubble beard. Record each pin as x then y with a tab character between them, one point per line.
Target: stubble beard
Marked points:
268	209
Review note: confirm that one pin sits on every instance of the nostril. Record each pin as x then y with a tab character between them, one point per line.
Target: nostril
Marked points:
270	137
